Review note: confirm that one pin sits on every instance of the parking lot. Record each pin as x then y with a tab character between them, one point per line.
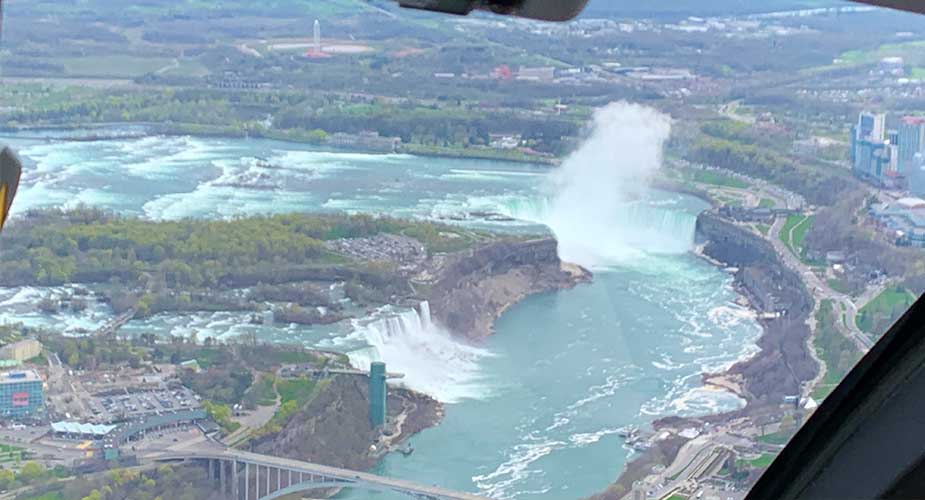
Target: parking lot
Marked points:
116	406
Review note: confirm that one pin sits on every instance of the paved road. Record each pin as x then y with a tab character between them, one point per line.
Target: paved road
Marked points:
692	460
212	450
821	290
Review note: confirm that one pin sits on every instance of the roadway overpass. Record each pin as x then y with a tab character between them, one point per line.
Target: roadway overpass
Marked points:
251	476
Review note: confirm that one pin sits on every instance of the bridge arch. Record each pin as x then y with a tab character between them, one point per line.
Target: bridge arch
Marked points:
318	477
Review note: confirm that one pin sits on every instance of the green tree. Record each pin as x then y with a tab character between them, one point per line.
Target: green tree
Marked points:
6	478
31	471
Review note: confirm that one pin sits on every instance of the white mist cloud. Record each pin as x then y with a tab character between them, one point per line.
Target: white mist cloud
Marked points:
593	190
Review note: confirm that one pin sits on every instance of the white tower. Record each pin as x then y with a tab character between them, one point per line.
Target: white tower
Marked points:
317	36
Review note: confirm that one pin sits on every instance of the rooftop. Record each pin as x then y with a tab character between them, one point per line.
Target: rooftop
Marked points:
910	202
82	428
15	376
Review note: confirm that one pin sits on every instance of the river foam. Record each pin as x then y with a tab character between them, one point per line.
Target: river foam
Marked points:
432	361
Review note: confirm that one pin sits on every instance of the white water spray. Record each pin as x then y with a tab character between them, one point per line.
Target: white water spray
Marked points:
598	208
431	360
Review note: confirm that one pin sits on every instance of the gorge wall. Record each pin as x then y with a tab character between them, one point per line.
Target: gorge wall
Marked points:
333	428
783	361
473	288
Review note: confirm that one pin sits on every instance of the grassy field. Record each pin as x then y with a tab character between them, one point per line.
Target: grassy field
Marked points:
714	178
207	357
299	389
912	53
112	66
774	438
264	391
766	203
761	462
54	495
885	308
837	352
794	232
10	453
838	285
295	393
764	228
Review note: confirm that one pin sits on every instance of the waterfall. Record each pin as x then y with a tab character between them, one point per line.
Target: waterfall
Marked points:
618	234
657	229
412	343
599	203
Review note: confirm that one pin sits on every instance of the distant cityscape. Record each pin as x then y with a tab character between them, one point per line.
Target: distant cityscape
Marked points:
890	152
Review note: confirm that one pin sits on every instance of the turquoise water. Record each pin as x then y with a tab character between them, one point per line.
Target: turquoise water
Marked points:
176	177
531	413
569	369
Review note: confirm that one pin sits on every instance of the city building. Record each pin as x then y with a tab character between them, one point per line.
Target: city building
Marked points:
78	430
892	66
364	140
873	160
871	126
541	73
911	152
892	158
21	394
903	221
22	350
911	140
870	149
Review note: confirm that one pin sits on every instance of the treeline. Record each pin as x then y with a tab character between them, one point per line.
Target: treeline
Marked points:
89	246
841	200
88	353
434	126
30	473
308	117
838	352
225	384
166	481
736	149
839	228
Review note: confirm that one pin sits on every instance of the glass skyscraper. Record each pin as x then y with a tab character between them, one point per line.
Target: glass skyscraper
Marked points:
21	394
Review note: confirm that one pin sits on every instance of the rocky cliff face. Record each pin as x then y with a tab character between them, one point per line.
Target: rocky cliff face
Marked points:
333	429
783	362
471	289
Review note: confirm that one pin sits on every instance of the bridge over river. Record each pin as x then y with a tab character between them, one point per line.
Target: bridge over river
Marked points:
244	475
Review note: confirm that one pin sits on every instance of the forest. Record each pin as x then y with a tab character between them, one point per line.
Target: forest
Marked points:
305	117
166	481
149	267
92	246
758	153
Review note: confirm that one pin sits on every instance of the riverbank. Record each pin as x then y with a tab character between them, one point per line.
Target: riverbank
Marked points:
779	298
311	138
782	302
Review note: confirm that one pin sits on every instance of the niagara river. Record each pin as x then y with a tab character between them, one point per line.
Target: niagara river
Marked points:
535	410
